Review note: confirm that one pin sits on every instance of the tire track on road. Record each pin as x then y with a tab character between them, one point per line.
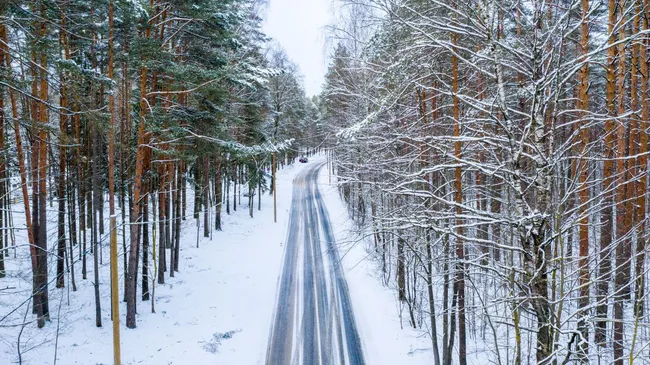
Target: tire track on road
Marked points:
320	317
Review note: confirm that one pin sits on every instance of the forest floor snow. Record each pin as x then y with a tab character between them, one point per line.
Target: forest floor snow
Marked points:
216	310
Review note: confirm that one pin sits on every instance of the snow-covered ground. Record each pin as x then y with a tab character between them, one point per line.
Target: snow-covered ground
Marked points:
384	340
218	308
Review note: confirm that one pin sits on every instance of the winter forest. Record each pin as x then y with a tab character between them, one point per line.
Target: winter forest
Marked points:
490	159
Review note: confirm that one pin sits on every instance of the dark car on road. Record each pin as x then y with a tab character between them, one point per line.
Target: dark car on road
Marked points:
303	159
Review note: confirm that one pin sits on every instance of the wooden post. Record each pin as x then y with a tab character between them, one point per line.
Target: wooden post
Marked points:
330	166
115	304
275	191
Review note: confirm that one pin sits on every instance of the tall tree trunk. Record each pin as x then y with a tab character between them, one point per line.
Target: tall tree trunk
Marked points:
125	135
169	171
642	162
183	189
235	177
63	126
218	195
161	245
130	290
162	198
607	224
72	227
206	195
176	222
95	223
227	182
3	190
582	172
42	170
623	250
145	247
401	271
458	196
432	304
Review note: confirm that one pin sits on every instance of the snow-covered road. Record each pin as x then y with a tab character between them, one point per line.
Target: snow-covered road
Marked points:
314	320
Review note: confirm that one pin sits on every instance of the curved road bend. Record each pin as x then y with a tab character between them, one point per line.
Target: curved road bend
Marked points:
313	322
